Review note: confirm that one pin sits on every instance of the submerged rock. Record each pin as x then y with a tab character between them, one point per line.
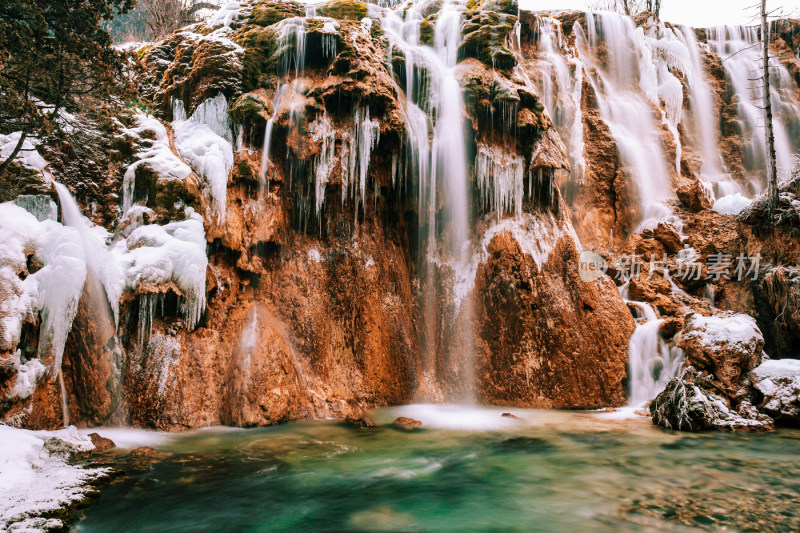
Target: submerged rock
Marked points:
360	422
407	424
691	402
779	382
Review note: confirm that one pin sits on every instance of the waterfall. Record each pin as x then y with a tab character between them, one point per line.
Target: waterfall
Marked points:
437	157
562	99
64	404
103	278
627	89
740	53
263	177
651	362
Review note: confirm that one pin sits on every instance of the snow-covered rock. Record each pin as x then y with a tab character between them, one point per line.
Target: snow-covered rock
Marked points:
52	291
779	381
728	345
689	403
34	481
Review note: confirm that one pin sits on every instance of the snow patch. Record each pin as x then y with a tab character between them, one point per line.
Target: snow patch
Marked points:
732	204
28	157
33	482
28	376
736	330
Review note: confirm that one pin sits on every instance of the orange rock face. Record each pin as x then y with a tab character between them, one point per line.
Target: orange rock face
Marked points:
549	339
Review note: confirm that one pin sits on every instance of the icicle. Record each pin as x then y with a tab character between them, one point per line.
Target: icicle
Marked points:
500	179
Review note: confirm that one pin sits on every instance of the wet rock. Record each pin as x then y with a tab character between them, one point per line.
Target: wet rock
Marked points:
523	444
778	380
669	237
101	444
551	340
695	197
360	422
146	452
407	424
780	296
691	402
670	327
727	345
510	415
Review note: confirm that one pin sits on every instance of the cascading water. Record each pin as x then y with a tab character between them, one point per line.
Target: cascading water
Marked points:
561	88
439	160
741	55
98	270
651	362
627	88
264	178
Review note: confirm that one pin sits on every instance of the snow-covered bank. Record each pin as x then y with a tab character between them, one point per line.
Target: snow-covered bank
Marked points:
35	482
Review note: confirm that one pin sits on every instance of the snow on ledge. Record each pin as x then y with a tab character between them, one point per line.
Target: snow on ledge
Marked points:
33	482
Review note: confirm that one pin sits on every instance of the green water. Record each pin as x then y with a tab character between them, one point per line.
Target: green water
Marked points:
548	471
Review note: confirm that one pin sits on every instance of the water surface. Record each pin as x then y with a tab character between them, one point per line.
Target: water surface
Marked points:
472	471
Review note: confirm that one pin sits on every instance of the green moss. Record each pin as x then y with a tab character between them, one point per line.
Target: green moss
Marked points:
485	34
137	104
344	10
143	51
258	62
426	32
269	13
248	109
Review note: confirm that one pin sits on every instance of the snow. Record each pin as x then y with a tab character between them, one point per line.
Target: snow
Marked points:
227	14
28	376
205	141
732	204
155	153
734	329
779	381
175	252
27	157
53	291
33	482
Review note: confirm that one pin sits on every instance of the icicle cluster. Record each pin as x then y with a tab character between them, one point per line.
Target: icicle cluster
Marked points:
205	141
52	292
352	158
500	179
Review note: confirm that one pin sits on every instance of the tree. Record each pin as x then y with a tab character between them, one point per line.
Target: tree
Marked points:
52	53
630	8
165	16
772	170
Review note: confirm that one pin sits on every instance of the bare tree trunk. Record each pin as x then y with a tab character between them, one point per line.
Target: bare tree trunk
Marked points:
14	152
772	171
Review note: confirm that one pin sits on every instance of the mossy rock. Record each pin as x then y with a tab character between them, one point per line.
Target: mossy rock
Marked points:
269	13
485	35
426	32
258	63
249	109
344	10
504	92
